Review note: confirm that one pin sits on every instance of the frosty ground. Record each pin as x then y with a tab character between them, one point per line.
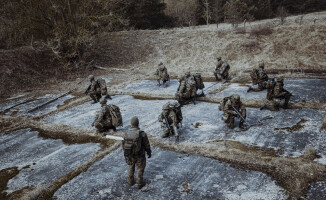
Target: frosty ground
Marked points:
211	161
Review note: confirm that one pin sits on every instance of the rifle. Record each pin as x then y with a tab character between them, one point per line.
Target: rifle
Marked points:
239	114
87	90
96	117
169	127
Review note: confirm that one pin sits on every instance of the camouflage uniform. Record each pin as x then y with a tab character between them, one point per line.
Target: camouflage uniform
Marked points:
187	89
279	93
221	70
230	114
276	93
95	90
162	74
261	80
103	120
172	119
138	159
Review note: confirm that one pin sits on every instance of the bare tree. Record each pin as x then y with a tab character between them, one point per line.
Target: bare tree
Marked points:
183	11
282	14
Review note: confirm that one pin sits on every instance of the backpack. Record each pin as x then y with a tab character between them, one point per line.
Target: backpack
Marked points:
101	83
199	81
225	68
132	143
116	115
225	99
254	76
177	110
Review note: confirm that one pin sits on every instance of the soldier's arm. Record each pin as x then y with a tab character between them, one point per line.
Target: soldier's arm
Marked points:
160	117
145	143
243	111
101	115
173	118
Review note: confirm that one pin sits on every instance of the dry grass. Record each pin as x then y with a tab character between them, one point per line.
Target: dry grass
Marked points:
261	30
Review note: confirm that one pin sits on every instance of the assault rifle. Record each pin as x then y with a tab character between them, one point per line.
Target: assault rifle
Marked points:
169	127
87	90
241	117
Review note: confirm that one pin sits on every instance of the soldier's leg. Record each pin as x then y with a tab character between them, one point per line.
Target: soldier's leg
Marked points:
93	96
215	74
230	122
260	87
275	105
164	83
159	82
131	171
100	127
286	103
219	77
140	164
166	132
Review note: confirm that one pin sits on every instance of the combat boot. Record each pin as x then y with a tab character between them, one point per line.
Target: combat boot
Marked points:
140	185
164	84
130	181
108	97
165	135
249	89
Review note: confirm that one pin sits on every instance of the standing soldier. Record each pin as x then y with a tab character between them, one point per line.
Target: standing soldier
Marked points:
221	70
134	145
162	74
277	93
97	89
259	77
232	107
108	118
171	117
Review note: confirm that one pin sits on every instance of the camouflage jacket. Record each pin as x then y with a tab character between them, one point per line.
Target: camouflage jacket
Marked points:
279	91
171	117
230	111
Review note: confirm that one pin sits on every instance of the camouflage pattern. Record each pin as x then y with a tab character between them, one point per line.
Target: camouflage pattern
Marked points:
138	161
187	89
230	113
221	70
260	78
162	75
279	93
103	121
172	119
95	90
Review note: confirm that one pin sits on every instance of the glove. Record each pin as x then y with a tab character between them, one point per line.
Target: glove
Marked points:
149	155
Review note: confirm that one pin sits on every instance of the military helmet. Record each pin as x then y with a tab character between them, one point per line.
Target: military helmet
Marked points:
161	63
261	64
103	100
175	105
90	77
235	97
166	106
218	57
134	122
187	73
280	80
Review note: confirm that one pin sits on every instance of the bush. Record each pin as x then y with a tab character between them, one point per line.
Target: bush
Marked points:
261	30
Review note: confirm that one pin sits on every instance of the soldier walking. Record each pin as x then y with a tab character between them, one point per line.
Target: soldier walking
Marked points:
221	70
162	75
134	145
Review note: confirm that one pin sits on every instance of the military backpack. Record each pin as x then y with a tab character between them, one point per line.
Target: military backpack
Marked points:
177	111
131	144
116	115
101	83
199	81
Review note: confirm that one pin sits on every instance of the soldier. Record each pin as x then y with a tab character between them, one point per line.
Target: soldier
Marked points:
187	89
162	74
107	119
277	93
259	77
221	70
97	89
230	106
134	145
171	117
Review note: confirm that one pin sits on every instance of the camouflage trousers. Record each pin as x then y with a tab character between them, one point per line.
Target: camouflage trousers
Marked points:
229	120
140	164
104	126
95	95
261	86
219	76
159	82
166	131
277	103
